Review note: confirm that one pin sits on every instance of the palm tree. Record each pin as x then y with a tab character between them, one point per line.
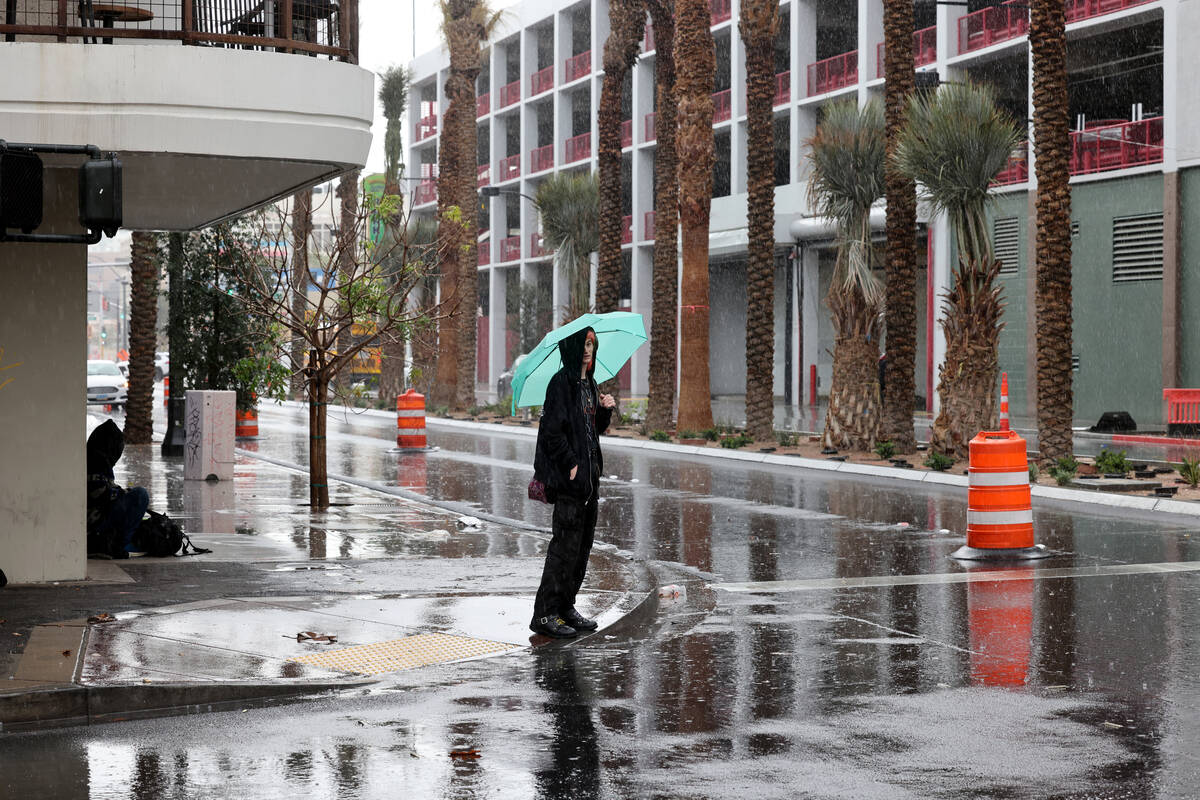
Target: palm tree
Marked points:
900	303
143	331
758	24
955	142
665	279
1052	153
466	26
696	64
301	230
393	96
848	154
569	205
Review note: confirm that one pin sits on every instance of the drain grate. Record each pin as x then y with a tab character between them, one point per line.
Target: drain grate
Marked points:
411	651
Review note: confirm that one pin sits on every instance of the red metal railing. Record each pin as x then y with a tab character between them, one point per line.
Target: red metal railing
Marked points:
924	50
510	93
1100	147
578	148
648	42
483	104
721	105
721	11
426	192
429	171
1084	9
509	168
426	127
990	25
510	249
833	73
627	229
485	253
537	247
541	81
483	175
650	131
783	88
627	133
1017	168
648	226
578	66
541	158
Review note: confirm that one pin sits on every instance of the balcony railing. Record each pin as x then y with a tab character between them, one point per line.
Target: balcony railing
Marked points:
541	158
537	247
1103	147
627	229
426	127
924	50
648	226
627	133
833	73
317	27
991	25
485	253
721	11
649	129
783	88
721	105
483	104
510	249
578	148
648	43
426	192
1085	9
578	66
429	172
510	93
483	175
1017	168
509	168
541	81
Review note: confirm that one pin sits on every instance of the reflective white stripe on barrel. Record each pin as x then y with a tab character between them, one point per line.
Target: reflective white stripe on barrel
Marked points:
998	478
412	432
1000	517
410	412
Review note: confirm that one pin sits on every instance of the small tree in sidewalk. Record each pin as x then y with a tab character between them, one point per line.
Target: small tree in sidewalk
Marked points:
345	288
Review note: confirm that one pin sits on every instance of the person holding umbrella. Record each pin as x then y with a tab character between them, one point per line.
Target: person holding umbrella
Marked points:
569	462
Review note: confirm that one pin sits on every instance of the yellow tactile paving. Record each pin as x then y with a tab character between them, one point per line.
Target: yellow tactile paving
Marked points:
397	654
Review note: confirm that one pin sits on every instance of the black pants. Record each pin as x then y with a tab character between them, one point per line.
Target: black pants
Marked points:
567	557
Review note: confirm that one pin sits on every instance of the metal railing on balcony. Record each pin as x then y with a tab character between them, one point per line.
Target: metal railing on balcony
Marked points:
648	42
541	158
541	81
426	192
508	168
510	93
1107	145
485	253
648	128
537	246
578	66
483	104
924	50
1016	170
429	172
833	73
1085	9
578	148
721	11
627	229
483	175
722	108
648	226
426	127
991	25
510	249
783	88
627	133
317	27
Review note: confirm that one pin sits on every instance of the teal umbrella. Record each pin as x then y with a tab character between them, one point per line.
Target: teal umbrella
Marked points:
618	335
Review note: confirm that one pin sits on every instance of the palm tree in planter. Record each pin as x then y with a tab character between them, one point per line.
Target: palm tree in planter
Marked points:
393	96
847	153
955	142
569	205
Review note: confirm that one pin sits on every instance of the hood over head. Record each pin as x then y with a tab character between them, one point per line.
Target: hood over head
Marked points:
571	350
104	447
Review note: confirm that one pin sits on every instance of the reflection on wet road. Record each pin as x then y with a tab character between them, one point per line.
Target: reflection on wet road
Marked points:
826	647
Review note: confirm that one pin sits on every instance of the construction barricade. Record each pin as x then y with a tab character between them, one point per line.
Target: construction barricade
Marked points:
410	421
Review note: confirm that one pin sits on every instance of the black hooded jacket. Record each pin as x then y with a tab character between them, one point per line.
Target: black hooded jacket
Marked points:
104	448
562	441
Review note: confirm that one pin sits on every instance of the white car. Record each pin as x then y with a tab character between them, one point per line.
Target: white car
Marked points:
162	366
105	383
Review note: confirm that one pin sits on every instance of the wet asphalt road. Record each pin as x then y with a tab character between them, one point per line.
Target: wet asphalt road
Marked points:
1072	678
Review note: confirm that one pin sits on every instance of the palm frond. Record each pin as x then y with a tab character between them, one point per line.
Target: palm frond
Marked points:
569	204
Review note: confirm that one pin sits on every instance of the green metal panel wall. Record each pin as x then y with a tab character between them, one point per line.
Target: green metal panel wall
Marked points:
1189	339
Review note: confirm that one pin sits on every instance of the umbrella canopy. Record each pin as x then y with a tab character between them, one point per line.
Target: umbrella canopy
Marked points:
618	335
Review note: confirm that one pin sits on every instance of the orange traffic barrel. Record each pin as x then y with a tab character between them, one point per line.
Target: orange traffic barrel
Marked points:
410	421
247	424
166	390
999	505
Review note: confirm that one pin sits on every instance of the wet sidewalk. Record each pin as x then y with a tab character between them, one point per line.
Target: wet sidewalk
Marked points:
289	603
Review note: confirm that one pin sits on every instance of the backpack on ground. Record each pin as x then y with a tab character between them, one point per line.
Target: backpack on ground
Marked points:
160	536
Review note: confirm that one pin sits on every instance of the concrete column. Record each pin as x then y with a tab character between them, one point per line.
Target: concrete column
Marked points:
642	302
941	240
497	324
738	143
810	289
870	34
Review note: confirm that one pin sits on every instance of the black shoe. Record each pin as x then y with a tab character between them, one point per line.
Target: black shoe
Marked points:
579	621
554	627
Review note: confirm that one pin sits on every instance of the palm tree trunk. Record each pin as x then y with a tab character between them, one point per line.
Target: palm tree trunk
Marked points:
665	279
1052	149
852	420
301	229
143	322
900	304
758	25
696	63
